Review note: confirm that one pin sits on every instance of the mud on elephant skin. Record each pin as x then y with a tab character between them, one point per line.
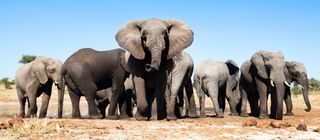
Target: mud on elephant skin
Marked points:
34	79
218	80
152	44
88	71
262	75
296	71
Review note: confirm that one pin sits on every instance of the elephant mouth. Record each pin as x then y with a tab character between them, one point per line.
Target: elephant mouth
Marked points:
151	68
56	82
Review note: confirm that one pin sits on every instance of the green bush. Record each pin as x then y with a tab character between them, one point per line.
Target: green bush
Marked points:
7	83
27	59
314	84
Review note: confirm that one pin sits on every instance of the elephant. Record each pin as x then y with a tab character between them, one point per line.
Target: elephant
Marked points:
296	71
103	98
34	79
179	80
88	71
262	75
152	44
218	80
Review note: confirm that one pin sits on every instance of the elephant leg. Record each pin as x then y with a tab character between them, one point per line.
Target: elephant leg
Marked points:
102	105
142	103
244	100
262	88
213	91
202	100
288	102
160	89
45	101
117	92
179	104
22	101
173	107
89	94
75	100
222	99
125	105
191	101
33	106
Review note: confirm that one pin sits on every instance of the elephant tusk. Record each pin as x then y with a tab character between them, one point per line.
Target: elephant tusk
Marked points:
56	82
271	82
287	83
300	86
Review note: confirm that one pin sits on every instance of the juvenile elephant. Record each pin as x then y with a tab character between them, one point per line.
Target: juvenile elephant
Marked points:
35	78
126	100
152	45
179	80
219	81
262	75
295	71
88	71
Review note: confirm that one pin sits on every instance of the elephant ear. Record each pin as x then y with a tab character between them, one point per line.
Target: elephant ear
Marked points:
258	60
38	69
296	66
233	67
180	37
129	38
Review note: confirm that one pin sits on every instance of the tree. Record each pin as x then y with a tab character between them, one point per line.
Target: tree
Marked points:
7	83
314	84
27	59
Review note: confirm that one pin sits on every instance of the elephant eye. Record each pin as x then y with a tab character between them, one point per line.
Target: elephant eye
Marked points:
297	73
52	70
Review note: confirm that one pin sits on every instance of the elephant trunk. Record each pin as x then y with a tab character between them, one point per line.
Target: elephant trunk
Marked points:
155	60
305	90
279	93
61	87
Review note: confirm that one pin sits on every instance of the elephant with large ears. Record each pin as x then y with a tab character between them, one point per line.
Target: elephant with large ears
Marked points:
152	44
87	71
34	79
262	75
218	80
296	71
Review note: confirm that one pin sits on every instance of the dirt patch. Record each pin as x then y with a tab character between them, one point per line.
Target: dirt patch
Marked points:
229	127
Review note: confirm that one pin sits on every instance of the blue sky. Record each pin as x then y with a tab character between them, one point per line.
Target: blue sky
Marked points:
224	29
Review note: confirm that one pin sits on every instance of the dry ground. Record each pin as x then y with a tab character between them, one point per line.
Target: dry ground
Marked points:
199	128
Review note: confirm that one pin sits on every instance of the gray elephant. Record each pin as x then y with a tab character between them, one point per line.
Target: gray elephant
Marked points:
219	81
88	71
296	71
178	83
35	78
126	101
152	45
262	75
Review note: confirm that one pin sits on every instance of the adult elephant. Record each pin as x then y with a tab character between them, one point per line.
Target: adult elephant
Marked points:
219	81
35	78
296	71
262	75
152	45
178	83
88	71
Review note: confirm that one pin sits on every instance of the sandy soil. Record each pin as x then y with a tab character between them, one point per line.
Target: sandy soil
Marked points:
228	127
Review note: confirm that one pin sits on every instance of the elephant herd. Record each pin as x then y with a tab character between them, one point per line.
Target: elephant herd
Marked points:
153	73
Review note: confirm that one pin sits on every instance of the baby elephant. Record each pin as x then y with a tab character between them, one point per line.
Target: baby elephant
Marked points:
35	78
217	80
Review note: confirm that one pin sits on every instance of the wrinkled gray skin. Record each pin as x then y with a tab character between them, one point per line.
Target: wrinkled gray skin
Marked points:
218	80
152	44
295	71
261	75
179	82
36	78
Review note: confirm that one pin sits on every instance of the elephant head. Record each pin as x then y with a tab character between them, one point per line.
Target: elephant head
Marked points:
233	80
270	67
154	39
297	72
44	69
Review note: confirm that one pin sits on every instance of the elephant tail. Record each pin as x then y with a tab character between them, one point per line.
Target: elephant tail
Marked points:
61	93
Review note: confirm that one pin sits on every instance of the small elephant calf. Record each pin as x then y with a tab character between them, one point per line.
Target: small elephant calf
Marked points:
35	78
217	80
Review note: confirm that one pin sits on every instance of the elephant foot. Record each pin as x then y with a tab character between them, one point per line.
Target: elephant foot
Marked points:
22	115
76	116
234	114
96	116
124	116
219	116
193	115
171	118
203	115
242	114
42	115
140	117
263	117
289	114
112	117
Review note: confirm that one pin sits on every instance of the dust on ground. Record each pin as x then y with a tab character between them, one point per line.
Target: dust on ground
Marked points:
229	127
